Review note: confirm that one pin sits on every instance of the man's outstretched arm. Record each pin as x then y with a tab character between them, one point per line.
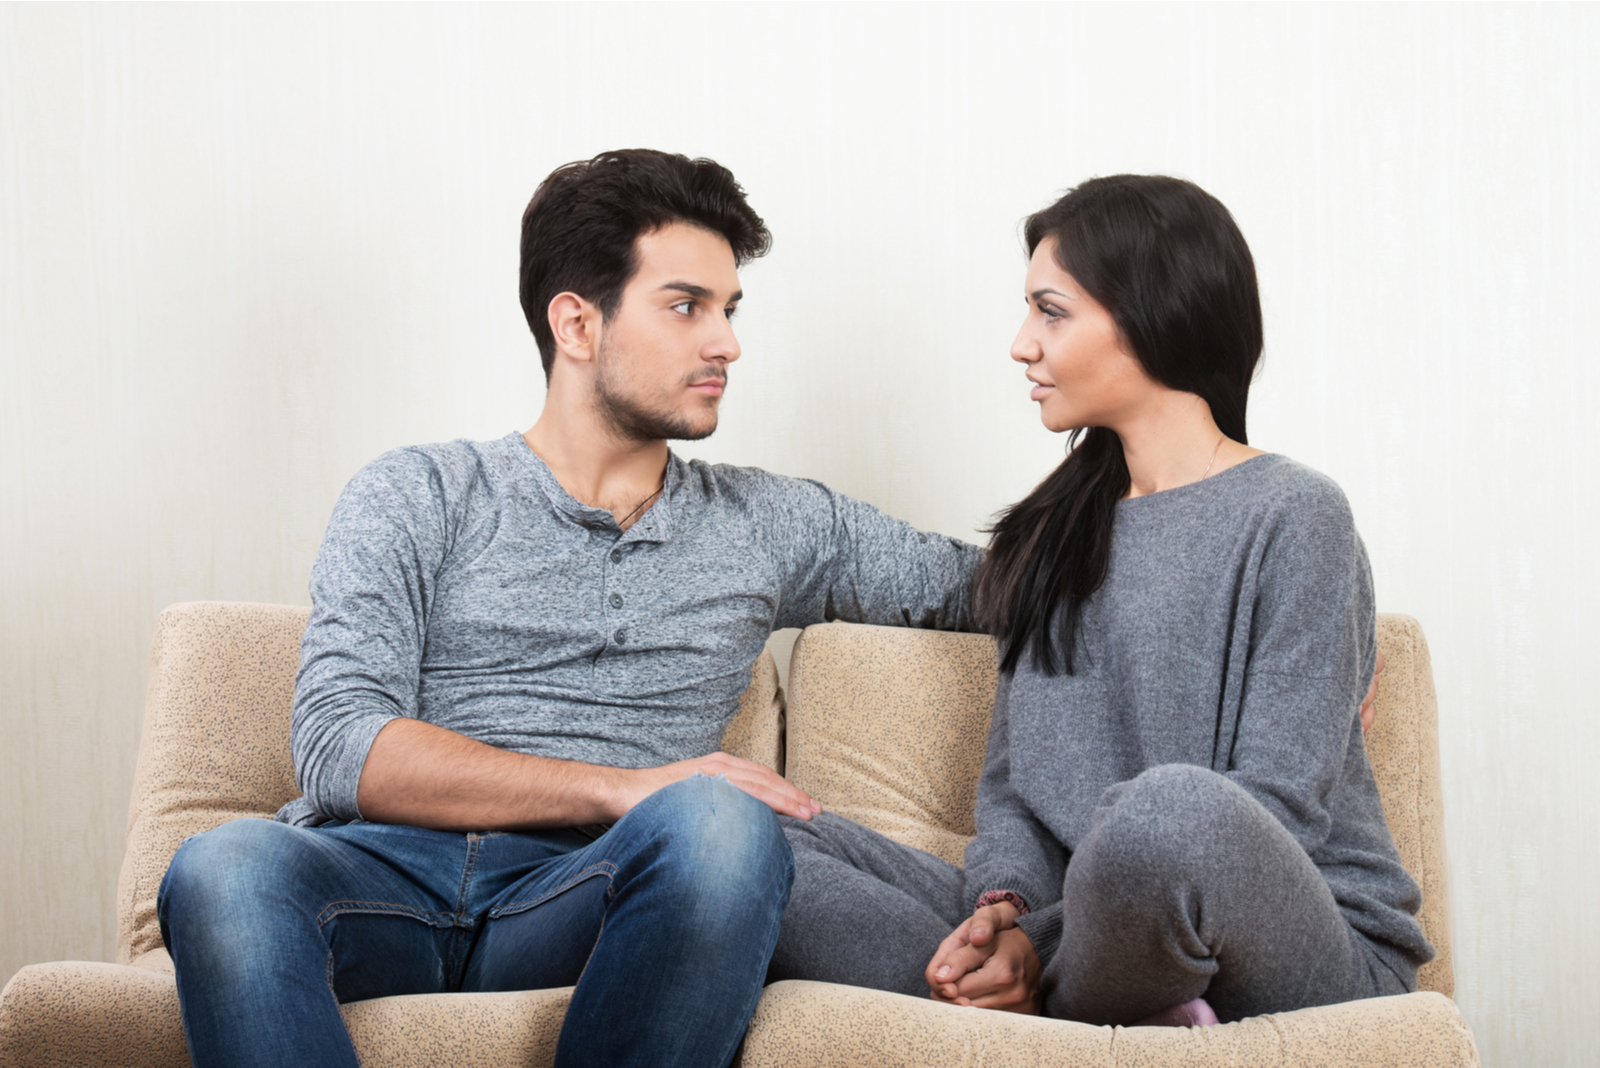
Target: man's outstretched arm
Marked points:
427	776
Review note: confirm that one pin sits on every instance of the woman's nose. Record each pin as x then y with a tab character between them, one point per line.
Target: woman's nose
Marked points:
1024	349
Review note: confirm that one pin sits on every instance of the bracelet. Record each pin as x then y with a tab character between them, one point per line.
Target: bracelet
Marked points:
994	897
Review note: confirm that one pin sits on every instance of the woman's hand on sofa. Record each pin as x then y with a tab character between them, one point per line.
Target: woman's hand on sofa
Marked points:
987	962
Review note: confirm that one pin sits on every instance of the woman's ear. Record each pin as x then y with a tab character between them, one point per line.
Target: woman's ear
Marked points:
575	324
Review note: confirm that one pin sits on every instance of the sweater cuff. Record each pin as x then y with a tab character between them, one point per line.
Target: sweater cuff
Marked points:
1043	929
995	897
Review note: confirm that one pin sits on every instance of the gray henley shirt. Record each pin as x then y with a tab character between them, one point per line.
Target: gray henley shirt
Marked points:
460	584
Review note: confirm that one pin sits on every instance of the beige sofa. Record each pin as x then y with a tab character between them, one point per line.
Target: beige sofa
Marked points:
885	725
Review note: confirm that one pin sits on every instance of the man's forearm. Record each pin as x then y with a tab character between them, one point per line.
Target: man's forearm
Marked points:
427	776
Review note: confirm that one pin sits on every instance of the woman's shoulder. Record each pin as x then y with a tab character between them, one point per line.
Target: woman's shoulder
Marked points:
1283	486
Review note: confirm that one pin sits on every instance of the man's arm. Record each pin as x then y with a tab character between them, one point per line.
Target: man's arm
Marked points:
427	776
844	559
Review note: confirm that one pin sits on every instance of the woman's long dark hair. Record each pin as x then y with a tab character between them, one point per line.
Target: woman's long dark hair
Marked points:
1166	259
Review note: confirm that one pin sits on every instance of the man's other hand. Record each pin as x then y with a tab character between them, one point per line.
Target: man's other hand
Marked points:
757	780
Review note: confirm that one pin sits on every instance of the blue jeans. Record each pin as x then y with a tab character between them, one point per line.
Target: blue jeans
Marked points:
664	923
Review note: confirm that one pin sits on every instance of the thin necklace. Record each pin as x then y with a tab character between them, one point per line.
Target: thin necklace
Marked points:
623	521
1209	466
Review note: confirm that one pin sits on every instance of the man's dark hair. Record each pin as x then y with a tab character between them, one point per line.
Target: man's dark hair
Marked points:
580	228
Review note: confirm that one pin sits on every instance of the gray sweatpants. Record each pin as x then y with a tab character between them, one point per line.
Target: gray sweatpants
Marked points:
1184	886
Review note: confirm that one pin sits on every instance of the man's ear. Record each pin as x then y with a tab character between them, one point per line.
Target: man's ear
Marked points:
575	323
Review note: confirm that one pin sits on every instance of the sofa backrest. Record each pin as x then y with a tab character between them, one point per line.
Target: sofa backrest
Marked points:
215	744
887	726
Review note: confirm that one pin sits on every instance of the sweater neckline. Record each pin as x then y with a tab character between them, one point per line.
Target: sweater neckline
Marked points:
1213	483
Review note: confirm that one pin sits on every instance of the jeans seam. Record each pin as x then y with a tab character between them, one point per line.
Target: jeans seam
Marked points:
466	874
604	866
456	955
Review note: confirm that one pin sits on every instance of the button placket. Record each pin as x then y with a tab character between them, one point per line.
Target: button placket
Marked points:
619	635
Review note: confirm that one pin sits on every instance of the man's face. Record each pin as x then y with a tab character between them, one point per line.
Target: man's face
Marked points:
663	357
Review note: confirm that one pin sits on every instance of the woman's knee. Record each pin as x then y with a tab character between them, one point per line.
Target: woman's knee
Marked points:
1169	815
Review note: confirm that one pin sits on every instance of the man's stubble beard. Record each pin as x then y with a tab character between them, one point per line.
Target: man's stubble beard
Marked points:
633	421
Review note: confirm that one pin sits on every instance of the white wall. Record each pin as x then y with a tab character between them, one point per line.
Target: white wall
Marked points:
244	250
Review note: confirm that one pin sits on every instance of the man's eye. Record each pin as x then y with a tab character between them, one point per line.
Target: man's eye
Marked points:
684	307
729	310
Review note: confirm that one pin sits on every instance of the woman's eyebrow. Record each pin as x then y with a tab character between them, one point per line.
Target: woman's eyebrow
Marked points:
1039	294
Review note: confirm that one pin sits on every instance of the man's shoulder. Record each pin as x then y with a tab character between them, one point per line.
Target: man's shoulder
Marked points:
424	484
446	467
738	485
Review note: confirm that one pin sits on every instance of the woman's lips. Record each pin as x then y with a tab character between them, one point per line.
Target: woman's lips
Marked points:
1038	391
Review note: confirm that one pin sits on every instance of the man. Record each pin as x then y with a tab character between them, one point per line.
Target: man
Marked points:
521	657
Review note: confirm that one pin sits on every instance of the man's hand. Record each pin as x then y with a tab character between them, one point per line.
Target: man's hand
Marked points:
987	962
1367	709
757	780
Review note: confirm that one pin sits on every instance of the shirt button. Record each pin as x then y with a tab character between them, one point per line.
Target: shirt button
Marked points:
621	636
616	556
616	600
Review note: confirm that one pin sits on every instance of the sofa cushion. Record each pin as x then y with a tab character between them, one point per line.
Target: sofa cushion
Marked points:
821	1025
887	726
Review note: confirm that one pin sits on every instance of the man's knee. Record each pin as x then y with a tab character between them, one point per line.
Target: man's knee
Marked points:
219	872
720	841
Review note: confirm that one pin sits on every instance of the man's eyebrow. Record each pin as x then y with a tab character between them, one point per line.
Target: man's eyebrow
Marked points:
699	292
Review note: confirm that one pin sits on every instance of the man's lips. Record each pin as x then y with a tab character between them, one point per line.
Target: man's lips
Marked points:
711	387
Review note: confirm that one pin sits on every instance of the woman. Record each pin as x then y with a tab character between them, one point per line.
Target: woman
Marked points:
1177	822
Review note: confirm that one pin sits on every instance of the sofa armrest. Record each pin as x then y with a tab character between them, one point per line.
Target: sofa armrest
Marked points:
73	1014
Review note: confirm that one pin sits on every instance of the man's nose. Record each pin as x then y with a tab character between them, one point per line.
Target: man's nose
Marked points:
723	345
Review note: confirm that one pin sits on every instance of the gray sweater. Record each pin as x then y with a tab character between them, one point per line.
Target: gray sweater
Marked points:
1235	632
461	585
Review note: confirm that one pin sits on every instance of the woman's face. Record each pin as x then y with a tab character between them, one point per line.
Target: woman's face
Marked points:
1082	371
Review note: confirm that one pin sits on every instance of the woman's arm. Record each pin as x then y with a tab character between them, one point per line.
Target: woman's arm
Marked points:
990	960
1312	657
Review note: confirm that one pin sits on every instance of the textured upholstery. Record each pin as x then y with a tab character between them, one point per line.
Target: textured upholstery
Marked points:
821	1025
215	744
886	725
1403	746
